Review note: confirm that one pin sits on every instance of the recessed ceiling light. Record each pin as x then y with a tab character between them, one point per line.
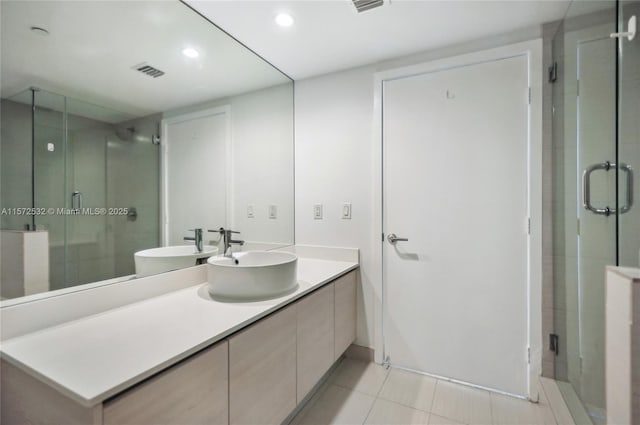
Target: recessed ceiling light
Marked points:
190	53
284	19
40	31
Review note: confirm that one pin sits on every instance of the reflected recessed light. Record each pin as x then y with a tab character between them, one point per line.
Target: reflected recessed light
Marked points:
284	19
190	53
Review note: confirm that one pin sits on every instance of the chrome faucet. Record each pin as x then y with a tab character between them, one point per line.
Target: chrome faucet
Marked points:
197	237
226	234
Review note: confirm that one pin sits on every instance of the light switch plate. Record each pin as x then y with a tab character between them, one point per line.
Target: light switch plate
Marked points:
250	211
317	212
346	211
273	211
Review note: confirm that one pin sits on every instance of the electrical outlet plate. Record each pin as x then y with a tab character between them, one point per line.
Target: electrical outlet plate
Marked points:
273	211
317	212
250	211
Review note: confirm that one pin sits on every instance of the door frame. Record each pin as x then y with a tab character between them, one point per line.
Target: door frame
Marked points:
533	51
164	158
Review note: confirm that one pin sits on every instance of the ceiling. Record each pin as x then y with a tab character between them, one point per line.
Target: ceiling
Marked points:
92	46
329	35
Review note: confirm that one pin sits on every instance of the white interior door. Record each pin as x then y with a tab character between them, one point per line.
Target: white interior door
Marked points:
455	184
195	182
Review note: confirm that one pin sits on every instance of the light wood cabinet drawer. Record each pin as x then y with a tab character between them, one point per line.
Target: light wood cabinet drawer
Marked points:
345	312
315	338
192	392
262	375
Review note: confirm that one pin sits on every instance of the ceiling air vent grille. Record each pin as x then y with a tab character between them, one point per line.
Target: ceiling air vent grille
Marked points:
148	70
362	5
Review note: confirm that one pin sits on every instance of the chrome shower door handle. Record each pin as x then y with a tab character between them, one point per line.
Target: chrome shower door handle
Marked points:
76	200
392	238
629	198
586	188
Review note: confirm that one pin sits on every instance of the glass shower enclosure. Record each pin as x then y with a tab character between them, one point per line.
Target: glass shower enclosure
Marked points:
596	140
92	176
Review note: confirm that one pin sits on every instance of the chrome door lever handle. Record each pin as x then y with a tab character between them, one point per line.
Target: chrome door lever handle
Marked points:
392	238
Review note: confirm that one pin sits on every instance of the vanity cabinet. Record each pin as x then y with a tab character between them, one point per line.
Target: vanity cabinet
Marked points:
315	317
345	313
256	376
192	392
262	370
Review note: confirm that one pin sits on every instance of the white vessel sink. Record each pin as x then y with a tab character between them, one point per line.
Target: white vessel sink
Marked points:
164	259
252	275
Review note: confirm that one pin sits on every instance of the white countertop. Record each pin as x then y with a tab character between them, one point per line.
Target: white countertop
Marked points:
632	273
96	357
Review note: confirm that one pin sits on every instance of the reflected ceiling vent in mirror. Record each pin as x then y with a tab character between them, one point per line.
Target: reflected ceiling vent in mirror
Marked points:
149	70
362	5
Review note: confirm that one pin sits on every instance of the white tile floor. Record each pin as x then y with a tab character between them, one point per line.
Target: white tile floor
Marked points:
367	393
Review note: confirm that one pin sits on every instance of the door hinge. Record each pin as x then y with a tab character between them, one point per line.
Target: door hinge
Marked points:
528	225
528	355
577	87
382	236
554	343
578	227
553	72
529	95
386	362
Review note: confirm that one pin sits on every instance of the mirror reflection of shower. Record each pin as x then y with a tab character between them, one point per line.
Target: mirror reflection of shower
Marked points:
95	173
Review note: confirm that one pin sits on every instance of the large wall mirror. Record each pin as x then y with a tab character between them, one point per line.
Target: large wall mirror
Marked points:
126	125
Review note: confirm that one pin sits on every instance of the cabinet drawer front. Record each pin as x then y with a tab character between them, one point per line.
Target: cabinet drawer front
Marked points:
345	314
315	338
262	375
192	392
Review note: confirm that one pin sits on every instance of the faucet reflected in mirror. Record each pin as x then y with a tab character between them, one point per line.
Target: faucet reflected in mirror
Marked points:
197	238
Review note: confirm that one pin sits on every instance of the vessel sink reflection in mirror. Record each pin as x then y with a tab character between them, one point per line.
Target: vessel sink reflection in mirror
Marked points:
164	259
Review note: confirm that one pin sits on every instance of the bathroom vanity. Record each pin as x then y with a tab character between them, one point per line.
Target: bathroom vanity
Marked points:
183	357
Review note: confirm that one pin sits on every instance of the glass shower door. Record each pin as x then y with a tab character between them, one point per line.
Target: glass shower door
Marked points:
597	141
628	138
596	230
112	168
89	248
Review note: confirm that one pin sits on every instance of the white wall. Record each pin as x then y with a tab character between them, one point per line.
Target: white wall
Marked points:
334	161
334	156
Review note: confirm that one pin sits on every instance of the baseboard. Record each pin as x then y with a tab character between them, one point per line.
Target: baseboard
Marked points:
359	352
